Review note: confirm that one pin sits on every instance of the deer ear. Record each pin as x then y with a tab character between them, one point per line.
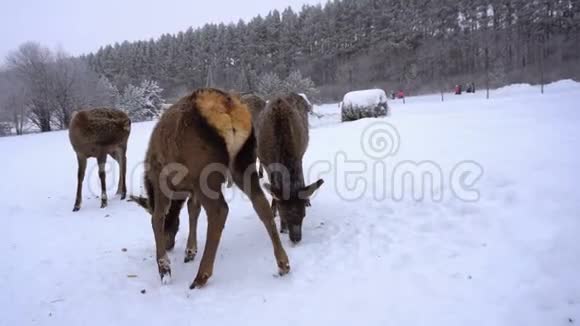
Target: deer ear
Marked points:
127	125
271	191
307	192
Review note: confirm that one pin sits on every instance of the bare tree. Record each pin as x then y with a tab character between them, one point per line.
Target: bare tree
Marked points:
64	76
5	118
13	101
76	86
54	85
31	64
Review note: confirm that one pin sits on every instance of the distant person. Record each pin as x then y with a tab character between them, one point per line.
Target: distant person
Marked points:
458	90
401	94
471	88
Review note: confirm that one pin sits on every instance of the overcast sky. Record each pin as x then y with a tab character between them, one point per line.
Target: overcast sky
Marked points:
80	26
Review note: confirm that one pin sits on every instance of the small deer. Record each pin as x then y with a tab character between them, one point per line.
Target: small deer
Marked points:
196	143
282	141
97	133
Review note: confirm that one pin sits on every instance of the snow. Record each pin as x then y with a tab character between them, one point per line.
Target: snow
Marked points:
365	98
525	89
511	257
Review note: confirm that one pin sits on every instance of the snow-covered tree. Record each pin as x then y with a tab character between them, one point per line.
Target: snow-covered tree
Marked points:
110	93
415	45
298	84
31	64
270	84
143	102
153	100
132	101
13	103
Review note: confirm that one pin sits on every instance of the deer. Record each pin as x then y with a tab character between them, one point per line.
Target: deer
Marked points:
97	133
283	136
196	144
256	104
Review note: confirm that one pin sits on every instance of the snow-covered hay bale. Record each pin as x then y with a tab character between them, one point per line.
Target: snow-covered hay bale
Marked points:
370	103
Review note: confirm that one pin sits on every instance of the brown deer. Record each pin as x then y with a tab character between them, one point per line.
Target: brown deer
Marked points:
97	133
256	104
196	143
282	141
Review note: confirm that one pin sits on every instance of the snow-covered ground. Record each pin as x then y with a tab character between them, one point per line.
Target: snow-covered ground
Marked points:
507	255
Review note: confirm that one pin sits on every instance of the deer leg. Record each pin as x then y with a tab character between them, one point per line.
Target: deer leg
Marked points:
82	166
102	160
283	224
260	170
158	223
274	207
172	223
260	203
229	182
121	157
217	212
193	208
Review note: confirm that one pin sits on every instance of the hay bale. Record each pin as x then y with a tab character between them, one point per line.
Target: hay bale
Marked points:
370	103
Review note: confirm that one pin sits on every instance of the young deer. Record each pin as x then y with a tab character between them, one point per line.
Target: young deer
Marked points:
196	143
282	141
97	133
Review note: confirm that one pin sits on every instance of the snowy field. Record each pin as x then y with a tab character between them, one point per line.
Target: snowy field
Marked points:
493	242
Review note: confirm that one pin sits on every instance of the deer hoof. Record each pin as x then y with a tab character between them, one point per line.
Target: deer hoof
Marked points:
283	268
283	228
166	278
76	208
199	281
189	255
164	270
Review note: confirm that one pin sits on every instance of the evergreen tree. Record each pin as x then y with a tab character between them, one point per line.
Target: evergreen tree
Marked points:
132	101
110	92
270	84
298	84
419	45
152	94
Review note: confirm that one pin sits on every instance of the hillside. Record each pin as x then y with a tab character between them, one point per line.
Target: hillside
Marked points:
508	256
